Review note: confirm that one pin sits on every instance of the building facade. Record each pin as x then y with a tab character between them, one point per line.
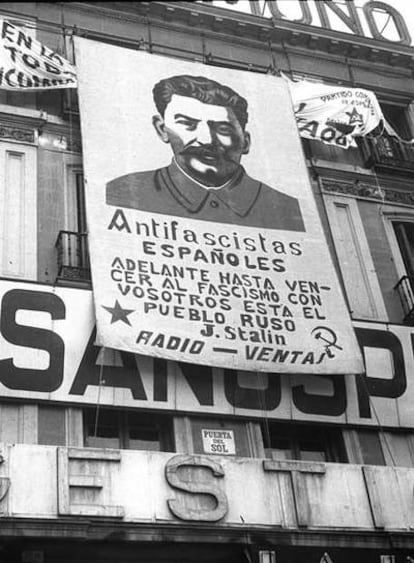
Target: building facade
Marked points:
109	455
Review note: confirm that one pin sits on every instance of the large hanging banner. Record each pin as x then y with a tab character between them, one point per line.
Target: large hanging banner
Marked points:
206	244
336	115
27	64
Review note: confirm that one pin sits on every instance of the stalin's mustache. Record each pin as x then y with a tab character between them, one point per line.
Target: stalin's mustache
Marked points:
204	151
207	153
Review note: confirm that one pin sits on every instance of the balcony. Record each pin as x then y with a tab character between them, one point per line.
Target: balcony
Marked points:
405	291
388	153
72	258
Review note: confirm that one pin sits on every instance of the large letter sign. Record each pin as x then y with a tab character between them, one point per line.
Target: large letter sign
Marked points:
206	245
14	377
48	353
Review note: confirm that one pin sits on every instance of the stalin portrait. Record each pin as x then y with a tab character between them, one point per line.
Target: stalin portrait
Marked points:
204	123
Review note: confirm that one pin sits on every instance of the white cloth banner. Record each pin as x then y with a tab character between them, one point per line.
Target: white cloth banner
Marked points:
205	241
335	114
26	64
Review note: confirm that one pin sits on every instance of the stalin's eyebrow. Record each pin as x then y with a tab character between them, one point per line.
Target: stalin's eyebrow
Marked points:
194	120
186	117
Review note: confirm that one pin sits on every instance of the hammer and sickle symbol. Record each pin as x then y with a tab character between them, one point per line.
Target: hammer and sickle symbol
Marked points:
328	337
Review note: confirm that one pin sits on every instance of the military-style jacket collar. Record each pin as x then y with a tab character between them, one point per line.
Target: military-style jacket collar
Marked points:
239	194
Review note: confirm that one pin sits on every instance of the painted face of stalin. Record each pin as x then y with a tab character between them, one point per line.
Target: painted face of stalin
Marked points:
207	140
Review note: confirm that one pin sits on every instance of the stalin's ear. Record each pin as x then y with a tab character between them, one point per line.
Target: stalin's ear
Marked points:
246	145
159	125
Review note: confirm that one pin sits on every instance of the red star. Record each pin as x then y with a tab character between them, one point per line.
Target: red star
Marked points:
118	313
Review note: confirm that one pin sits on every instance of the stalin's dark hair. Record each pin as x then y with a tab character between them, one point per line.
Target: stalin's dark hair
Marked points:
203	89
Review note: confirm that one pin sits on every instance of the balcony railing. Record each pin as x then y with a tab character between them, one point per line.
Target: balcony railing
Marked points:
388	152
405	290
72	257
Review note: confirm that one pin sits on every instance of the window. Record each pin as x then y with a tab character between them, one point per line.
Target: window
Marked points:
399	227
51	425
72	248
404	232
371	449
397	117
80	202
388	149
354	256
368	446
18	210
75	213
306	443
127	430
